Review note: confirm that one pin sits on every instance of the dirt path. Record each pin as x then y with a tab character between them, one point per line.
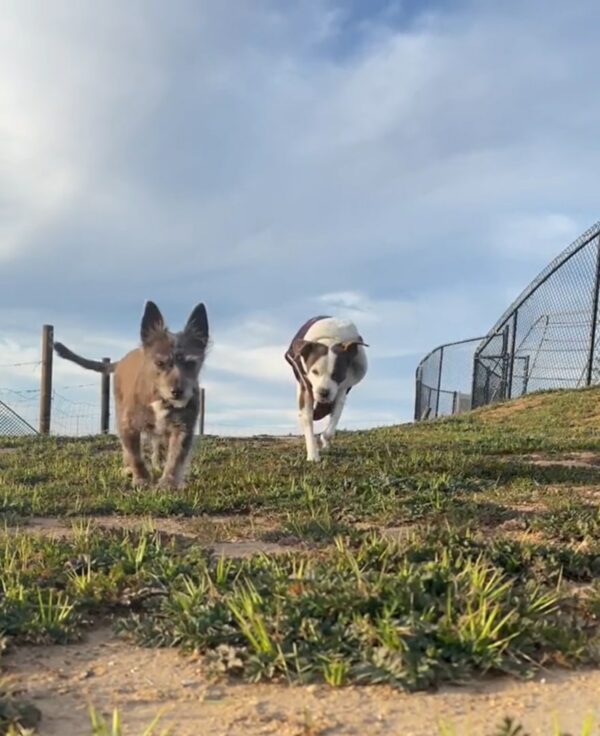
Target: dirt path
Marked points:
108	672
567	460
230	536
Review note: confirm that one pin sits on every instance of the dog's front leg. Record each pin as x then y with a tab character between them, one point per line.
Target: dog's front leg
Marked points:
158	452
334	418
132	456
180	444
305	401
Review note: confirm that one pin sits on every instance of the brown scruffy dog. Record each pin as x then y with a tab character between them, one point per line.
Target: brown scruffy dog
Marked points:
157	393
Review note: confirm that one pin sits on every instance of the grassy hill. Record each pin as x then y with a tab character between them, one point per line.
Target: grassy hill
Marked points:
412	555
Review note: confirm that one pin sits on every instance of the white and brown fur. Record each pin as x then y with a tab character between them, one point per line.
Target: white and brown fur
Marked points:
328	358
157	393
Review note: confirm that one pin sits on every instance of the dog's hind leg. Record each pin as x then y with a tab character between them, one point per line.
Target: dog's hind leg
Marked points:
180	445
334	418
132	457
306	405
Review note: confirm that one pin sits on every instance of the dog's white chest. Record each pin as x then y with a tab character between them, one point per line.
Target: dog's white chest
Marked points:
161	413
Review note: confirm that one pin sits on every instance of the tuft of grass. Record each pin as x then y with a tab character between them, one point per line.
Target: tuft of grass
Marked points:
100	727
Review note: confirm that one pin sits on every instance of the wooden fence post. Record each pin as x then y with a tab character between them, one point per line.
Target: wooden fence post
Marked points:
105	400
202	411
46	379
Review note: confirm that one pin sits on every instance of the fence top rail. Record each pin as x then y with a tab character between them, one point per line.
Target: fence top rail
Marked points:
577	245
449	345
436	390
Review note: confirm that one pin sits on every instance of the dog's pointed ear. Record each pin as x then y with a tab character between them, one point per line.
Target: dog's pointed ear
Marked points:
197	324
152	322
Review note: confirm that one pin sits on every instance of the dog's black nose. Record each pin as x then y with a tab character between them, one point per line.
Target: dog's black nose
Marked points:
323	394
176	393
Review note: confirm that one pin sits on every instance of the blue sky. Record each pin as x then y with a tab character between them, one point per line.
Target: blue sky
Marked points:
409	164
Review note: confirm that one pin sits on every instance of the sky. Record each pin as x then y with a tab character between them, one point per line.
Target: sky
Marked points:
411	165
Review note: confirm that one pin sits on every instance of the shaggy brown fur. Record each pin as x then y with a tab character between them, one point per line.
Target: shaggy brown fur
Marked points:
157	393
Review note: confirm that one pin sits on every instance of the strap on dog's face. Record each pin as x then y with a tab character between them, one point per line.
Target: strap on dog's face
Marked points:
297	356
349	344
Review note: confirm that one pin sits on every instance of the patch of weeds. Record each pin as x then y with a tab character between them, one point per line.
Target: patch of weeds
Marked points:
575	522
315	525
367	613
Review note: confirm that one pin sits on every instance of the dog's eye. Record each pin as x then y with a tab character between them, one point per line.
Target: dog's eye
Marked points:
315	372
160	364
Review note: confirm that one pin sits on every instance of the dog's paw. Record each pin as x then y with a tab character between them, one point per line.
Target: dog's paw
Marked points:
313	458
138	481
170	483
325	442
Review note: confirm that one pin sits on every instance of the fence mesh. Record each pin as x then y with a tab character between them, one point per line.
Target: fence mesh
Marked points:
548	338
444	380
13	424
71	414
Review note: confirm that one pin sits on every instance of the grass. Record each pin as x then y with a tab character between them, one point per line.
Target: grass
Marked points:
492	568
390	474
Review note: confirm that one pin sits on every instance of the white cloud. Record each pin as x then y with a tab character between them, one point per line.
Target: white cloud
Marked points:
538	237
393	327
412	181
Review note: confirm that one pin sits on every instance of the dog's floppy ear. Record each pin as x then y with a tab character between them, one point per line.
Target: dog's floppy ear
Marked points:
152	322
304	348
197	324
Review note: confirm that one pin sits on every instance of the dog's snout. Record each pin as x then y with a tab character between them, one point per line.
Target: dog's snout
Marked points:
176	393
323	394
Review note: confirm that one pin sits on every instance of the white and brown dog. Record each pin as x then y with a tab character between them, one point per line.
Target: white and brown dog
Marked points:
328	357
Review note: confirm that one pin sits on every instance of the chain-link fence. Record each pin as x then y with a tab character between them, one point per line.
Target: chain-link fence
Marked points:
444	380
548	338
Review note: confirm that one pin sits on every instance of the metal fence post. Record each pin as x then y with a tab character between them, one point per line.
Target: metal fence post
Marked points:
511	363
418	391
474	379
594	321
46	379
439	386
105	400
202	411
525	375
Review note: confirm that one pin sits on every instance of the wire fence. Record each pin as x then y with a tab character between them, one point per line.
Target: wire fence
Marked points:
548	338
444	380
70	415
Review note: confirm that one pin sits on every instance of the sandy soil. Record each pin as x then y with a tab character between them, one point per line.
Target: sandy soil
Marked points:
107	671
